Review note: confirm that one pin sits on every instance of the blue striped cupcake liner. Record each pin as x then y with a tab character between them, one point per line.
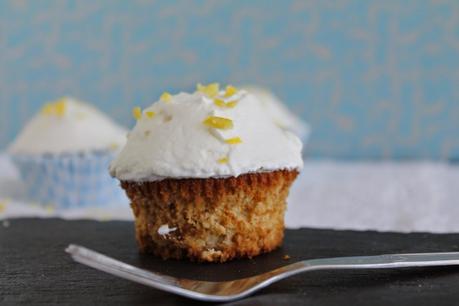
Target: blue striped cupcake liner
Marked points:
70	180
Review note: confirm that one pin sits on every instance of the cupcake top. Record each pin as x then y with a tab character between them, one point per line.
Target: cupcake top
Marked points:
68	126
277	110
208	133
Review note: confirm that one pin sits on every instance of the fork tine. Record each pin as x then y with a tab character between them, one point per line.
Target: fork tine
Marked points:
158	281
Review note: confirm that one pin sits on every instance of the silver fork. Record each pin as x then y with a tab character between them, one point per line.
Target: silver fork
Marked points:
239	288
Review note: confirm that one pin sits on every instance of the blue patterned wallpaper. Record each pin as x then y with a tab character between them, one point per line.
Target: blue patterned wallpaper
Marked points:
375	79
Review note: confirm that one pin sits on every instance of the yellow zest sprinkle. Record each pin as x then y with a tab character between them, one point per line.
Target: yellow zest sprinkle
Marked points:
231	104
60	107
223	160
47	109
2	207
146	133
137	112
166	97
210	90
230	90
150	114
56	108
218	122
219	102
234	140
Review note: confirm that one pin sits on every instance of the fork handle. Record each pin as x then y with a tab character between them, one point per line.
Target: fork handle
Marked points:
387	261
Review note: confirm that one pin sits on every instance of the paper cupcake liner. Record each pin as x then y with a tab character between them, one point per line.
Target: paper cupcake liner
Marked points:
214	219
70	180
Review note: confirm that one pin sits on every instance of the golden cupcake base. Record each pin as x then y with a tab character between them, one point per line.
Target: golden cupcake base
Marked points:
215	219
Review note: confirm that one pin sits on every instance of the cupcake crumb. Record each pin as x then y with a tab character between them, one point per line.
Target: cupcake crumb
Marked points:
6	223
286	257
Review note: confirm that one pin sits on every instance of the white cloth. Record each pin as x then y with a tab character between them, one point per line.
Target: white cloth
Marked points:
384	196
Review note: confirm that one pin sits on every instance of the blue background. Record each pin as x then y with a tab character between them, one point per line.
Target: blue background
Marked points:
375	79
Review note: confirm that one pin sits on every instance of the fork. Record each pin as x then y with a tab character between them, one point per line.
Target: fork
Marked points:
239	288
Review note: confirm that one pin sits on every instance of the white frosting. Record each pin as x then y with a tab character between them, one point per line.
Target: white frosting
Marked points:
175	142
79	127
277	110
165	229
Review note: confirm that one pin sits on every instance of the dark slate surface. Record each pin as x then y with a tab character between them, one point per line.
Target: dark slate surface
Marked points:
34	269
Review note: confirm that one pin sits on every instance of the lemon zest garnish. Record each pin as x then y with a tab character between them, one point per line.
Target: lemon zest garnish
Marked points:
147	132
218	122
60	107
56	108
219	102
231	104
137	112
223	160
200	87
150	114
166	97
234	140
230	90
210	90
47	109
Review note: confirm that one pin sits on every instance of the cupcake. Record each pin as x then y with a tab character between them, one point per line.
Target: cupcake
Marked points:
63	154
279	112
208	174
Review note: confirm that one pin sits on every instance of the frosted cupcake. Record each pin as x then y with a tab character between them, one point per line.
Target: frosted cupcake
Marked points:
279	112
208	174
63	154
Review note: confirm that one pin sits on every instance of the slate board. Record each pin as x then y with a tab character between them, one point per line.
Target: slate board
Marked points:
34	269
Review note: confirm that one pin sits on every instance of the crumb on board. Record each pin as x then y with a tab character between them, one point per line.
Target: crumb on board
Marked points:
50	208
286	257
6	223
3	204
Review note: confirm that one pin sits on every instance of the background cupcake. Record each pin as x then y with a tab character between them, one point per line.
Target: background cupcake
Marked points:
208	174
63	154
279	112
